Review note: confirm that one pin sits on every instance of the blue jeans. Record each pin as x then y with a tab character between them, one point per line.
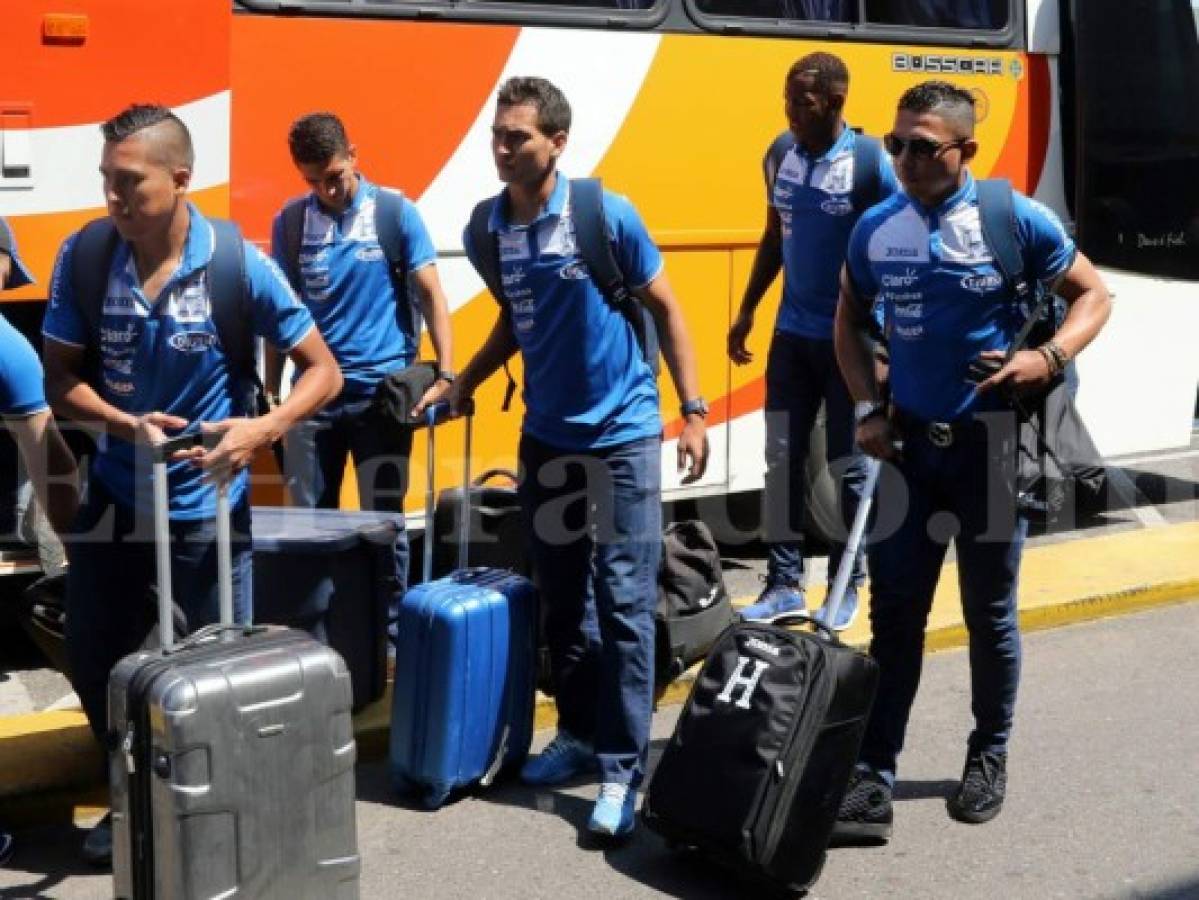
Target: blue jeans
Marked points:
965	492
317	451
111	610
595	521
800	374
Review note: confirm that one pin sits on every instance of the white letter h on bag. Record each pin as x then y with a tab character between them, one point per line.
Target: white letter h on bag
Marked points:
740	679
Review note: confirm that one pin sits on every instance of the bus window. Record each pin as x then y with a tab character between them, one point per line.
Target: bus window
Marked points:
974	14
1137	89
802	10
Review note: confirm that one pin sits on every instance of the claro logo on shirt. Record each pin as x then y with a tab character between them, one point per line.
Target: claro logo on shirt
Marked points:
369	254
192	341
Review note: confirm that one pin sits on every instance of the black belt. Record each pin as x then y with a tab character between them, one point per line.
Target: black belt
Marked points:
939	434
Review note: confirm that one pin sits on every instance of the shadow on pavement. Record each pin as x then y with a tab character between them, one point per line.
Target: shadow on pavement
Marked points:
45	858
939	789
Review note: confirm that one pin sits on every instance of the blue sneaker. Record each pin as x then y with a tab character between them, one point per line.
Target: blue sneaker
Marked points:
613	813
846	612
564	758
779	598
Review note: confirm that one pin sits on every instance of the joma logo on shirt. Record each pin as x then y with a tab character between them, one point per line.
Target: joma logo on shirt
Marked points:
192	341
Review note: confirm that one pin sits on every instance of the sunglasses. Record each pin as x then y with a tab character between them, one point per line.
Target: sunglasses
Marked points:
921	148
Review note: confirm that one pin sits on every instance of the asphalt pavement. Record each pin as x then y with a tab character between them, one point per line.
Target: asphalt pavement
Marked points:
1103	800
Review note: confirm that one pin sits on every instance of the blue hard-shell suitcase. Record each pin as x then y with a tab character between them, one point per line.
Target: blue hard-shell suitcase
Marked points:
464	680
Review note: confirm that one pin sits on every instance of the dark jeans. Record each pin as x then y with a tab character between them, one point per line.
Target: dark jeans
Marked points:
111	610
800	374
317	451
595	518
965	492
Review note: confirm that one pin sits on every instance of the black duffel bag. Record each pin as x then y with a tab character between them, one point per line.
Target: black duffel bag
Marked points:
495	534
399	392
694	607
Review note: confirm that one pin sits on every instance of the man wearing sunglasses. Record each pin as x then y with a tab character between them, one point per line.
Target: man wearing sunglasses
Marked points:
950	315
811	207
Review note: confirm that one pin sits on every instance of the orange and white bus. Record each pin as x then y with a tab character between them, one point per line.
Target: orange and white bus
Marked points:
1088	106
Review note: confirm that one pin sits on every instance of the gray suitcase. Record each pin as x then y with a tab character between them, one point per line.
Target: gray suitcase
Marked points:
231	758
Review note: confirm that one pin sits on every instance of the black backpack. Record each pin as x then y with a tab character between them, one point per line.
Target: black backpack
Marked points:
1059	470
591	233
91	260
694	607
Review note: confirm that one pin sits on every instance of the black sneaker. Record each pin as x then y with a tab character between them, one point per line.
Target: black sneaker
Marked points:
865	813
979	797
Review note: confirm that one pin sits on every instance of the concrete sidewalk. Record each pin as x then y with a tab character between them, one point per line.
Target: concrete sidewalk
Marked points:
51	769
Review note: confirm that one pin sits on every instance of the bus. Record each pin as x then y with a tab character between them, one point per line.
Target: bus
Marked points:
1086	106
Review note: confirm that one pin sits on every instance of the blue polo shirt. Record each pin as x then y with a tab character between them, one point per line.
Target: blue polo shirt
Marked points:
812	195
21	380
944	299
587	384
166	357
347	286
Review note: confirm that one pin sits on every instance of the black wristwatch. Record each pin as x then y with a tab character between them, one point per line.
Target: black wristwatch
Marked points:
695	407
446	375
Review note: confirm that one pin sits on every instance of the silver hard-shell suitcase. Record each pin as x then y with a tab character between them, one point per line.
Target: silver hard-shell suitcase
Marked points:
231	758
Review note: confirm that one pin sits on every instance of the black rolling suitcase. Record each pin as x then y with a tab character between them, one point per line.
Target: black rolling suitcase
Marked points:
762	753
231	758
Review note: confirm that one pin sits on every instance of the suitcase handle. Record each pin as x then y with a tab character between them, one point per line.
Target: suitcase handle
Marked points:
489	474
434	415
162	452
210	633
857	531
803	618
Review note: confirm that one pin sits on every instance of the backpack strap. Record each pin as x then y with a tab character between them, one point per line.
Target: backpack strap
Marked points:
775	154
867	185
231	313
91	259
292	222
997	216
484	251
389	207
591	235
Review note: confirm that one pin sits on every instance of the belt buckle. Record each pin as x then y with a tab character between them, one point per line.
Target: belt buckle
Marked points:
940	434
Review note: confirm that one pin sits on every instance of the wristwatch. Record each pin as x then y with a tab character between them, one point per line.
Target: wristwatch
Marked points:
865	409
695	407
446	375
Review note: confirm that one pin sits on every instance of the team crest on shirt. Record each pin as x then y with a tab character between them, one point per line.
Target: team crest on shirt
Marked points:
835	177
513	246
190	304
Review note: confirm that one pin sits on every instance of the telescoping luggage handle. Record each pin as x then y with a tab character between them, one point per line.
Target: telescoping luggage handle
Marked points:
162	540
434	416
836	593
